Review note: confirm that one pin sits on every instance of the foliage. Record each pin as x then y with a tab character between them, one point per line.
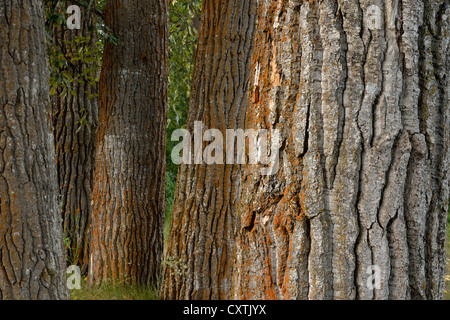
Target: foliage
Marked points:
74	60
78	59
184	19
184	16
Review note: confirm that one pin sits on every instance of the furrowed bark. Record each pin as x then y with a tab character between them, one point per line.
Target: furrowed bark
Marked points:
199	256
129	203
32	262
361	102
75	144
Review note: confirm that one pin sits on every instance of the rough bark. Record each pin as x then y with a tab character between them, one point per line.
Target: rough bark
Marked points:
32	262
199	256
75	144
363	179
129	203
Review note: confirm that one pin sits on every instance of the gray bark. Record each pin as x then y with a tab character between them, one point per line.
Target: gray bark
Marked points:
363	113
32	262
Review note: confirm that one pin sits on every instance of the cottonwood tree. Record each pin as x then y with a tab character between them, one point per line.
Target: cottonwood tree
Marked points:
359	91
31	247
129	204
199	254
75	62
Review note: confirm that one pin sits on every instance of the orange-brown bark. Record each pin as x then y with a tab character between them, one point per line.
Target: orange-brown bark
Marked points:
199	257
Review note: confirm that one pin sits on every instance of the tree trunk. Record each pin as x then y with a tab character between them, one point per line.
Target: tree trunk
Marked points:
75	143
129	203
361	104
31	247
199	256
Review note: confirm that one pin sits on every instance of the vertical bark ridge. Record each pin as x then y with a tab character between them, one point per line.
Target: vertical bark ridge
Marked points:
345	217
269	212
315	171
383	66
436	128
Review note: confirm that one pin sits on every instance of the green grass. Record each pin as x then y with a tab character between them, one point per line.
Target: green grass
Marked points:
109	291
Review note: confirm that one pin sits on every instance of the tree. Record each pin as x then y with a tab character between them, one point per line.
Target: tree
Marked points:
359	93
199	255
75	58
31	247
128	213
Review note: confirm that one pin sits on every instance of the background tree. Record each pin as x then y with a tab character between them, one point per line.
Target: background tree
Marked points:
75	60
361	101
128	214
31	247
199	255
